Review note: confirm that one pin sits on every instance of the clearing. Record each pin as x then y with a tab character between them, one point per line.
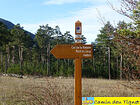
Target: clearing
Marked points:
58	90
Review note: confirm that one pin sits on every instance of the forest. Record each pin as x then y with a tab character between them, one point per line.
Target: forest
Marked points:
116	50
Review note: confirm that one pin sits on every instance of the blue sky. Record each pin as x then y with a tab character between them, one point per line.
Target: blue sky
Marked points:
32	13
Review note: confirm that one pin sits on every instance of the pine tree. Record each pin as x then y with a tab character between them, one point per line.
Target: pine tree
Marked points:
43	38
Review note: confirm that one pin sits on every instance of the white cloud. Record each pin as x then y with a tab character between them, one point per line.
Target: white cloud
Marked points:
88	16
31	27
60	2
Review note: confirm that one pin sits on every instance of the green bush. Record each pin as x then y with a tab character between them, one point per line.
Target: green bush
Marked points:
14	68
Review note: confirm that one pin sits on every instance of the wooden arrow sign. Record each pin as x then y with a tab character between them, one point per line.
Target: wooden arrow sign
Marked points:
72	51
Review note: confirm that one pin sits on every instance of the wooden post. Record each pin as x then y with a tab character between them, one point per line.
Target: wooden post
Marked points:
78	67
78	82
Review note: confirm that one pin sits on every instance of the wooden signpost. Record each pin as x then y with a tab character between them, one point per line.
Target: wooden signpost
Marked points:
77	51
72	51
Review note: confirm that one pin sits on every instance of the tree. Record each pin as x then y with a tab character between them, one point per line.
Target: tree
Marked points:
19	37
105	43
84	39
106	35
128	37
43	37
5	38
68	37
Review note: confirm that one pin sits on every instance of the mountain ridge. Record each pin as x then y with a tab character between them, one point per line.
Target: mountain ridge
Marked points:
10	25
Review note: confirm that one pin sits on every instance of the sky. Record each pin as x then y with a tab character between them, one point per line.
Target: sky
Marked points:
64	13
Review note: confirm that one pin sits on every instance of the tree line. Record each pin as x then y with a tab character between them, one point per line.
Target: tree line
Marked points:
116	50
123	43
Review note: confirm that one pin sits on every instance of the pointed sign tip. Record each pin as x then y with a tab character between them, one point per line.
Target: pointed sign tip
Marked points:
78	21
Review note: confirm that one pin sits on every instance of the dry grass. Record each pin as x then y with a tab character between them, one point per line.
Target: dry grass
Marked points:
57	91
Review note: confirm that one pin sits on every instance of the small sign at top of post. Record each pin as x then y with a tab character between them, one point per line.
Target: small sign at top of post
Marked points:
78	32
78	28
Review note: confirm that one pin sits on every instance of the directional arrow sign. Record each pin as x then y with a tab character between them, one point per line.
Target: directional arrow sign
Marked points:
72	51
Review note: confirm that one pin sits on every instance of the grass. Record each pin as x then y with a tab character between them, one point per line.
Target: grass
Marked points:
57	91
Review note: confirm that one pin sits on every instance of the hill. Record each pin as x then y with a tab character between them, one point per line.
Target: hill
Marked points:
10	25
